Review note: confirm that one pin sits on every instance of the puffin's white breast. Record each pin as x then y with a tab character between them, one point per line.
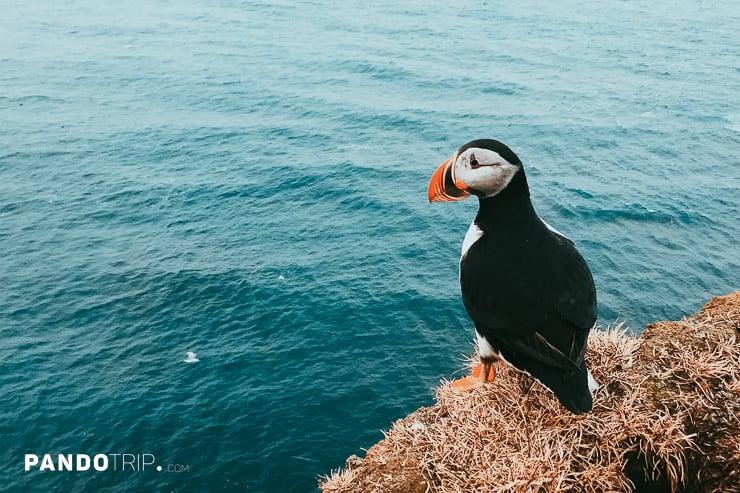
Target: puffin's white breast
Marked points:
474	234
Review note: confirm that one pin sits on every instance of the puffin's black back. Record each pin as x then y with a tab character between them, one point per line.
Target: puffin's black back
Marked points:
530	294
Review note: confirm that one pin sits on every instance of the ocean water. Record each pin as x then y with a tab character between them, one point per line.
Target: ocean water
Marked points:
247	180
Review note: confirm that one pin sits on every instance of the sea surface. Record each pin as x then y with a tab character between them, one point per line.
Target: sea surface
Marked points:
247	181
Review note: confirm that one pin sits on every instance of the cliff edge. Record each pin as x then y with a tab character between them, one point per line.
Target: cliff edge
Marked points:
665	419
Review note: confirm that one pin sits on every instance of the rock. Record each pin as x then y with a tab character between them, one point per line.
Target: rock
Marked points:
664	420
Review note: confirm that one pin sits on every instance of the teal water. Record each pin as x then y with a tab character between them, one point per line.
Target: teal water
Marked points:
247	180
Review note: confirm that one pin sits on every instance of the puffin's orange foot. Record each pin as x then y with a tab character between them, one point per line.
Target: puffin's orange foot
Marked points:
465	384
483	373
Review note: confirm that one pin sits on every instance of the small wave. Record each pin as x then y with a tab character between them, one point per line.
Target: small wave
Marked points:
733	122
630	213
38	98
504	89
375	71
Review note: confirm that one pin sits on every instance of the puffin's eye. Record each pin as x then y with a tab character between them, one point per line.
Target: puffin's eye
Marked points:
474	162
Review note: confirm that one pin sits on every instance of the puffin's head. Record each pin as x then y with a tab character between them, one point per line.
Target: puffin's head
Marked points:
482	167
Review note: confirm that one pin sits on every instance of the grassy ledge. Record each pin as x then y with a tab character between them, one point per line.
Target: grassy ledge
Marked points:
665	419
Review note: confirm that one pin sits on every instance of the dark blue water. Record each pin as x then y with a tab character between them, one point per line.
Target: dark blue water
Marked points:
248	181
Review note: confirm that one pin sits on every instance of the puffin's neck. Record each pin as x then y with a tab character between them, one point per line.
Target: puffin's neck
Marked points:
511	206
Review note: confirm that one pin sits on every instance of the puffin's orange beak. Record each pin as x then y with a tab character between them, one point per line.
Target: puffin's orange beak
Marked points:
443	187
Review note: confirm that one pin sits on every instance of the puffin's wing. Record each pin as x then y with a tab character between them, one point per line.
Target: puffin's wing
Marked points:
552	294
572	287
533	351
572	294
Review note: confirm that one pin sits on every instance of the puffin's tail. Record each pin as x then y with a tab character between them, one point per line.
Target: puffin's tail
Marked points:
571	383
573	391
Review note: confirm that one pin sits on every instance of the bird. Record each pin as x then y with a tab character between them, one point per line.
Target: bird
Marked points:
191	357
528	291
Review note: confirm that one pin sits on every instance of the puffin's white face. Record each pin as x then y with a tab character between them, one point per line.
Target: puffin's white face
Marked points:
482	170
479	167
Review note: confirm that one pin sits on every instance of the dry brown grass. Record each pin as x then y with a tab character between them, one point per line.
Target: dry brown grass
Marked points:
666	416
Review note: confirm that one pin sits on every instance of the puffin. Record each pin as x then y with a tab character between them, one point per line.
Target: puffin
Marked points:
529	292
